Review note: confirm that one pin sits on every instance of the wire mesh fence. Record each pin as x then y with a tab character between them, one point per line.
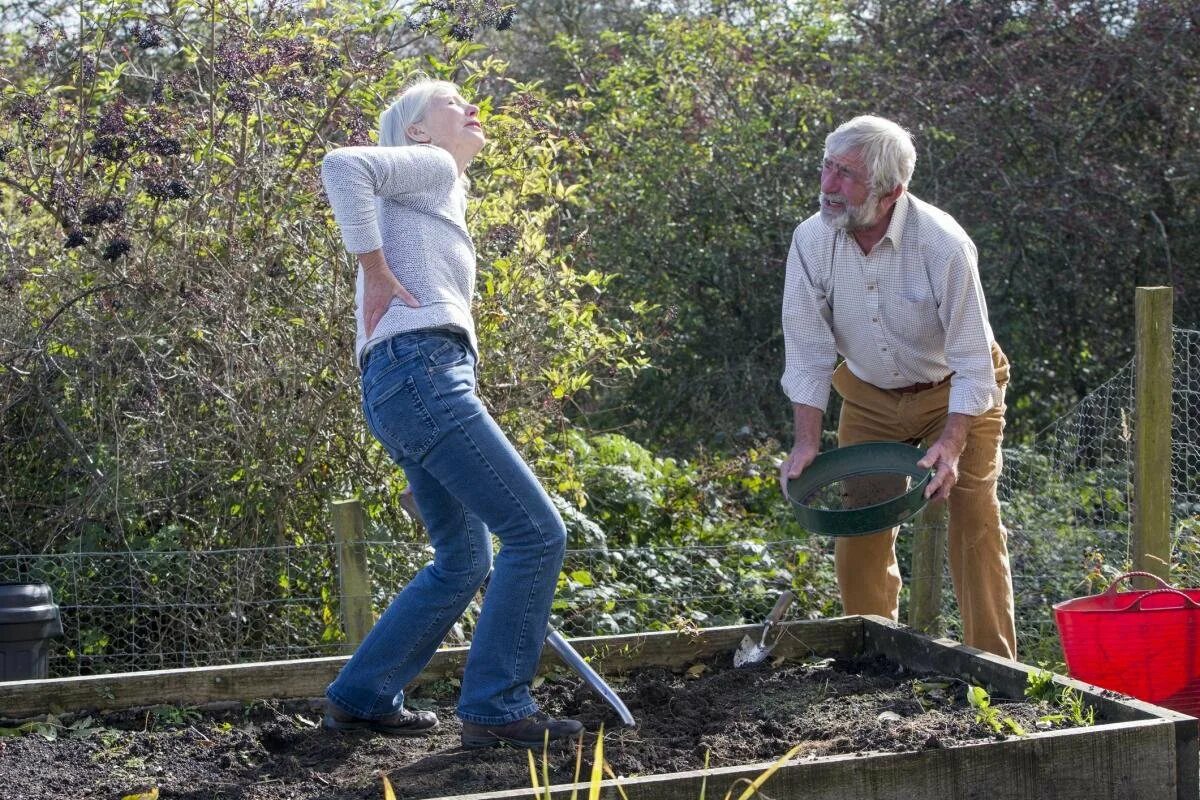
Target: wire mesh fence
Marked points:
1066	502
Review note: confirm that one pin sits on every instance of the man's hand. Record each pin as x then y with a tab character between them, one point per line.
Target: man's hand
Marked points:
800	457
379	288
807	443
943	455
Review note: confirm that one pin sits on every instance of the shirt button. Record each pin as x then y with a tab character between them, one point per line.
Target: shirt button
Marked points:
871	286
884	349
896	374
874	319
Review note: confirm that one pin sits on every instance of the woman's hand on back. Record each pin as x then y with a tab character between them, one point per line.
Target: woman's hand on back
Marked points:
379	288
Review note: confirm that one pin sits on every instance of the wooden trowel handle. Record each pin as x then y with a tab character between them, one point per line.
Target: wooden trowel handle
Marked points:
781	607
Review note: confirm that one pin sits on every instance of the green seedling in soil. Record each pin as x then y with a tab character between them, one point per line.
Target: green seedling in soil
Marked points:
1080	714
932	691
989	715
172	717
1041	688
51	728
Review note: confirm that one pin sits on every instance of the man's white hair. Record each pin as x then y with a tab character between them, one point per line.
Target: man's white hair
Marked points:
884	147
409	108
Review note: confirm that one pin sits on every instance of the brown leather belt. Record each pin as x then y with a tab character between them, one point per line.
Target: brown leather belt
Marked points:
920	387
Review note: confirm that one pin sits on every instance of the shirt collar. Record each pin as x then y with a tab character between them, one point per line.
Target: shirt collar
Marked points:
895	230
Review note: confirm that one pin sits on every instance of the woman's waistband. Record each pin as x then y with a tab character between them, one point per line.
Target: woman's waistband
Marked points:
404	337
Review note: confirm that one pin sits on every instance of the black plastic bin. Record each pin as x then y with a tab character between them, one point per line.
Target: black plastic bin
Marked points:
28	621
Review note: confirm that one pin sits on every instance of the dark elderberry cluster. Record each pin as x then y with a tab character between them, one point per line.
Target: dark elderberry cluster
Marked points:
75	238
526	102
239	59
168	189
147	36
469	17
111	148
296	51
116	248
87	67
27	108
292	63
39	51
156	142
112	135
240	100
495	15
503	238
293	90
111	210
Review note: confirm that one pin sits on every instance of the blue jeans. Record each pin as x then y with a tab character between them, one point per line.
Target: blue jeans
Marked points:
469	483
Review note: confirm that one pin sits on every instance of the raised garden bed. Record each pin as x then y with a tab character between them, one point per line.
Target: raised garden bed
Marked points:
881	708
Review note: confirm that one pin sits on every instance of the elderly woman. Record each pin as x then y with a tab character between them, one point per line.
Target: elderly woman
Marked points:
401	209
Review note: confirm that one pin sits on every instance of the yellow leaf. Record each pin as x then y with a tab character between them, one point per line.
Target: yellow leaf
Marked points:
388	792
696	670
597	767
533	772
150	795
768	772
616	780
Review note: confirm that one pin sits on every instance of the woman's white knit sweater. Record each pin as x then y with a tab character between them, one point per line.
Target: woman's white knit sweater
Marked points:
411	202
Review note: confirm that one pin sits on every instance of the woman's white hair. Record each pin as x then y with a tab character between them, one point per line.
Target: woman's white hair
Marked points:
409	108
884	147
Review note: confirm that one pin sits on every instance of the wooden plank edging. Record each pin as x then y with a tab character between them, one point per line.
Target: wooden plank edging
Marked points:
1118	762
301	678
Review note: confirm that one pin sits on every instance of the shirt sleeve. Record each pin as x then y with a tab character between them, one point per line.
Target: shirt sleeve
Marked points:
355	176
963	310
810	351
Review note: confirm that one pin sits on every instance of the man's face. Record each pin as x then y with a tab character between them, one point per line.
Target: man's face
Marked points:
847	199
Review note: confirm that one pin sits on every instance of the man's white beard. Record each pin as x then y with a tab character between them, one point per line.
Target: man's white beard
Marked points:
852	218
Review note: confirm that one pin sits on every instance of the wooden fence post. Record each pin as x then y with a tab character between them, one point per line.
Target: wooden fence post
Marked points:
1151	537
354	580
928	556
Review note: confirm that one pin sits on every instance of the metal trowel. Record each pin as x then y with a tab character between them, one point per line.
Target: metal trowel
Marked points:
751	652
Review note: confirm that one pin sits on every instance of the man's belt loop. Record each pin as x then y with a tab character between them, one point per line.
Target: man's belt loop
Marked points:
920	387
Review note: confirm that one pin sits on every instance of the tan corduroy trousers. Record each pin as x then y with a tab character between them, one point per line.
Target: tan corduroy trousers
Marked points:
867	573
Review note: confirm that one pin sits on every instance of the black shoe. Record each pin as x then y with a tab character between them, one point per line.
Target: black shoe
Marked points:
401	723
529	733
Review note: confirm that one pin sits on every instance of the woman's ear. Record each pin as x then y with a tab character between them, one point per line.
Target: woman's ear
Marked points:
417	135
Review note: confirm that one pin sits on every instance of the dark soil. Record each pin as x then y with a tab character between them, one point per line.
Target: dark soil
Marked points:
278	750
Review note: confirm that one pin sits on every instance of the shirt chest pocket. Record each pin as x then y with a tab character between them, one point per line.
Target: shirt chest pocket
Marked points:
916	295
915	309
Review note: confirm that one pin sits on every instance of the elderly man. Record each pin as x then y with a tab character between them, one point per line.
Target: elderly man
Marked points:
891	284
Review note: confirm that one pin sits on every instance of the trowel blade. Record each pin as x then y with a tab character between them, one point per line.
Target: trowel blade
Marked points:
749	652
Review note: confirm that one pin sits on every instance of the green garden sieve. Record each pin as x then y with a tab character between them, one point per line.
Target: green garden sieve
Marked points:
881	481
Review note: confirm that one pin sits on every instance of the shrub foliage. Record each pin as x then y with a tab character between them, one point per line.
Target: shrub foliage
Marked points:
177	362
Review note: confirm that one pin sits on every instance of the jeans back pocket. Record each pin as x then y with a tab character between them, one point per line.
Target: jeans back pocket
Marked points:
398	417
